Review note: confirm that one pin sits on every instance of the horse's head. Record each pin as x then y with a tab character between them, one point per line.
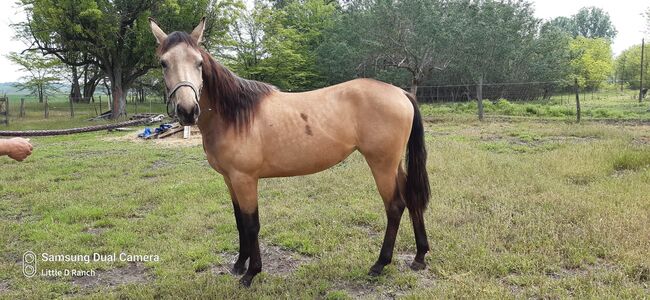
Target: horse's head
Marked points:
181	61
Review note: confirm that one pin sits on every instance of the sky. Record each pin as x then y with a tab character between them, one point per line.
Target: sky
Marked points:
625	15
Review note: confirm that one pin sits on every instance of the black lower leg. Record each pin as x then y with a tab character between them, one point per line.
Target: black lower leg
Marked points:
251	228
394	214
240	265
421	241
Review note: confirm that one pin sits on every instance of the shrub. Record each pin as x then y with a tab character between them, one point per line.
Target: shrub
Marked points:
632	160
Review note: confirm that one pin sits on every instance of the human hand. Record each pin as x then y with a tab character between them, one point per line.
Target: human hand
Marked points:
17	148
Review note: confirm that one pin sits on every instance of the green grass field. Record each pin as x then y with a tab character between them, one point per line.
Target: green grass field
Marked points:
521	208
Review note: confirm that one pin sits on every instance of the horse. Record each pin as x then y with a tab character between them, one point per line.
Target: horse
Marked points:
251	130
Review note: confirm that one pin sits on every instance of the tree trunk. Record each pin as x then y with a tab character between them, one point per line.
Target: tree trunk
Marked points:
415	82
479	97
118	93
75	93
40	94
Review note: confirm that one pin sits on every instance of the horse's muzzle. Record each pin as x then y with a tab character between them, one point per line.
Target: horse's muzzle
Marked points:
188	117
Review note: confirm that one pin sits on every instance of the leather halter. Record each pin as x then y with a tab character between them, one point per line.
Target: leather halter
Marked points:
179	85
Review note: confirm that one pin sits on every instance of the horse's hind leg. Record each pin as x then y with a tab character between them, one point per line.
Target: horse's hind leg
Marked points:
390	180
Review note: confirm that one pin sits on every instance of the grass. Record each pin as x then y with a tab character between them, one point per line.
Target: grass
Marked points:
524	208
59	112
608	104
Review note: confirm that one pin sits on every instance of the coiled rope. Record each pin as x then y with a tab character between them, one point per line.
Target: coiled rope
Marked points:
28	133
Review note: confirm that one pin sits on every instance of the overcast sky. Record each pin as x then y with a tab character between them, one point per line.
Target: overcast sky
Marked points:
625	14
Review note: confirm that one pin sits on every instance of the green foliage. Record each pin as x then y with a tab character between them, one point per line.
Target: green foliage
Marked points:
41	78
113	35
591	61
589	22
632	159
278	45
628	66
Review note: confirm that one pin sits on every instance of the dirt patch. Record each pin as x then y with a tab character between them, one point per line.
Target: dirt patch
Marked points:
363	291
132	273
641	141
158	164
371	290
171	141
4	286
425	277
600	265
95	231
276	261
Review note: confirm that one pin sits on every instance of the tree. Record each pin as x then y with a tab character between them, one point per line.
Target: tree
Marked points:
593	22
277	44
591	61
41	71
589	22
113	35
628	66
414	36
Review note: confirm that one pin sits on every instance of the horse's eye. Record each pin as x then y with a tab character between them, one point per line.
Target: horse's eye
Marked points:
163	64
200	65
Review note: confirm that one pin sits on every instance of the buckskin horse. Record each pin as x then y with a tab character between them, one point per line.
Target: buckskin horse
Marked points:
251	130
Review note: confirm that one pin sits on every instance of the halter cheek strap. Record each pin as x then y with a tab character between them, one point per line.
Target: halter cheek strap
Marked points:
179	85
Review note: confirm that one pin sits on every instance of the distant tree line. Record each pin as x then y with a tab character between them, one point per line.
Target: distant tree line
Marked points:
305	44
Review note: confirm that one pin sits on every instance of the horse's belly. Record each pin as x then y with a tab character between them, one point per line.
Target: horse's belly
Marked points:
304	158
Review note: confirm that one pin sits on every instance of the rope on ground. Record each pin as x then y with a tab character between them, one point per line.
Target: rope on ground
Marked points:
28	133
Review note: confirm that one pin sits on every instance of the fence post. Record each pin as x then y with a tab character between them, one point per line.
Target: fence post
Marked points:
479	96
71	108
577	99
47	108
641	83
22	107
100	105
6	109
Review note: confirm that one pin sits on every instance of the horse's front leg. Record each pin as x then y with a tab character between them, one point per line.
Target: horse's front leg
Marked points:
240	265
244	189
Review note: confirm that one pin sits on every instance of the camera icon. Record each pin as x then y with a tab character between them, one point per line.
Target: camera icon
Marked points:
29	264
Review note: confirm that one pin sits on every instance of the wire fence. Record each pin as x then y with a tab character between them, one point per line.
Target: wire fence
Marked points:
598	99
554	99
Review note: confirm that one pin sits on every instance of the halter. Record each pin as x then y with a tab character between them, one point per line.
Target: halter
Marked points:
179	85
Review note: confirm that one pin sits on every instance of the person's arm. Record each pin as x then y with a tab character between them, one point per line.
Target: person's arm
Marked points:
16	148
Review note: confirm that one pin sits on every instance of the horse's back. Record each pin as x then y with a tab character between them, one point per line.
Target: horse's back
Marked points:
303	133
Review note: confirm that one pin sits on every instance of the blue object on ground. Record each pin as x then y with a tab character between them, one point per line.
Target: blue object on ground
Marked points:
146	133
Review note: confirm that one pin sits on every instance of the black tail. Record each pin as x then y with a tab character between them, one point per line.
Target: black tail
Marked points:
417	189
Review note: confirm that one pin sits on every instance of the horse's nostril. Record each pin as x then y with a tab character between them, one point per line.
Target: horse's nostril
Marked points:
197	110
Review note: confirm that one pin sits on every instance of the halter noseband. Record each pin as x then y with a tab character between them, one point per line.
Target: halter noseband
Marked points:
179	85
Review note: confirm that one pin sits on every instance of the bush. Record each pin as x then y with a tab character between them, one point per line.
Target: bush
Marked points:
632	160
532	110
504	106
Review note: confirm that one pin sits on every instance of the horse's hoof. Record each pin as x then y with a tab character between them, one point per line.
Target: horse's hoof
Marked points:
376	270
418	266
246	281
238	270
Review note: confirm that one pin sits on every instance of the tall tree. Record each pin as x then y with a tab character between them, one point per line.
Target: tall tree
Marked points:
41	73
590	22
591	61
277	44
113	34
593	22
628	66
415	36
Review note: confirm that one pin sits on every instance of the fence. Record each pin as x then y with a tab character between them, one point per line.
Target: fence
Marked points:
596	99
61	107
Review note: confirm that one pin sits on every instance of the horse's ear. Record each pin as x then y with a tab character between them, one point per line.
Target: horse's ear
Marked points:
157	32
197	33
